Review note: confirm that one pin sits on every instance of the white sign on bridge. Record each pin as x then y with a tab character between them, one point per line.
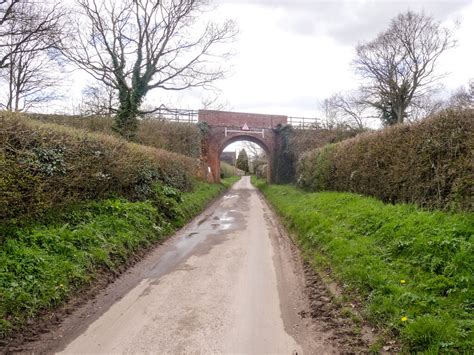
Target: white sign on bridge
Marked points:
245	129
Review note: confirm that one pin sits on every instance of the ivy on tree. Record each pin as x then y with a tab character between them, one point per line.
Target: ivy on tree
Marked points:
134	46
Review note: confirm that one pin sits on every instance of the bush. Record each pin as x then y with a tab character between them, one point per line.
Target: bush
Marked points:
182	138
227	170
47	165
428	163
303	140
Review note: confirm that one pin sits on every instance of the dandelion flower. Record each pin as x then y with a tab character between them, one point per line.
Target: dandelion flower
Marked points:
404	318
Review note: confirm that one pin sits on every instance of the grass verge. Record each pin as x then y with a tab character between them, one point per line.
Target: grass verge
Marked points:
43	264
412	270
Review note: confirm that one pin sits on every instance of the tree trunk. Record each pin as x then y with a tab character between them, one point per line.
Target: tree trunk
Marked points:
400	113
126	122
10	88
17	102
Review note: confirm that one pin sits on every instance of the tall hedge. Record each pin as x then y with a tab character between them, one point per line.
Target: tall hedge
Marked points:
429	163
46	165
181	138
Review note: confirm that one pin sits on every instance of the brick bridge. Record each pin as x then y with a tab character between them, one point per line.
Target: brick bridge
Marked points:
229	127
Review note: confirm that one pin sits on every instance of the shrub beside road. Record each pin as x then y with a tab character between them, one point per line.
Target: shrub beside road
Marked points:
429	163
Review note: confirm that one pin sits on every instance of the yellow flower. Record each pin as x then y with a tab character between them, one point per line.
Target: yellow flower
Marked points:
404	318
402	281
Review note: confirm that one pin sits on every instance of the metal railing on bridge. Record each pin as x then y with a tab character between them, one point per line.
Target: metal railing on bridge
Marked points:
303	122
175	115
191	116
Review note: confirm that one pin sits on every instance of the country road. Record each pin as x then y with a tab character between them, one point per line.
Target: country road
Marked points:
229	282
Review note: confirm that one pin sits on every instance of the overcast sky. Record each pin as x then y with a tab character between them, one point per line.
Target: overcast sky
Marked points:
293	54
290	55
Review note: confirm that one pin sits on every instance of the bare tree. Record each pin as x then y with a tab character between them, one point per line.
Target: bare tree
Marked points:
6	10
22	22
32	80
98	100
255	151
345	110
331	116
424	107
31	60
399	65
213	102
134	46
7	15
463	98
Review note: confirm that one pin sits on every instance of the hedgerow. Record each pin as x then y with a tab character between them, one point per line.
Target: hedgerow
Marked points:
45	166
303	140
429	163
181	138
293	143
227	170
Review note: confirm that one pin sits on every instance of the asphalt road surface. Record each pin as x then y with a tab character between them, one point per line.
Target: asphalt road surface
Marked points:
226	283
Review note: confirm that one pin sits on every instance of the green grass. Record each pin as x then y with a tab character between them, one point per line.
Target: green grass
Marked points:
227	170
400	261
43	264
229	181
193	203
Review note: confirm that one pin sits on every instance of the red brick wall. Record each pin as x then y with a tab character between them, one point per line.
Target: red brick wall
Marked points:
217	140
238	119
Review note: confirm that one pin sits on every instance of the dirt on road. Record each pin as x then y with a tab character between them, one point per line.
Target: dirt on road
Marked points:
231	281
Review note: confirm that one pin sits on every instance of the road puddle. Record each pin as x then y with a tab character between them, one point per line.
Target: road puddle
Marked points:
198	238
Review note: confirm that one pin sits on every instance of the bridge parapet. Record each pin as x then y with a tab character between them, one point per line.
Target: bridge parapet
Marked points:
239	119
233	119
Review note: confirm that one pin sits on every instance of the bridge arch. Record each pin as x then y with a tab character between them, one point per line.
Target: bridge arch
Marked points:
245	137
248	138
225	128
